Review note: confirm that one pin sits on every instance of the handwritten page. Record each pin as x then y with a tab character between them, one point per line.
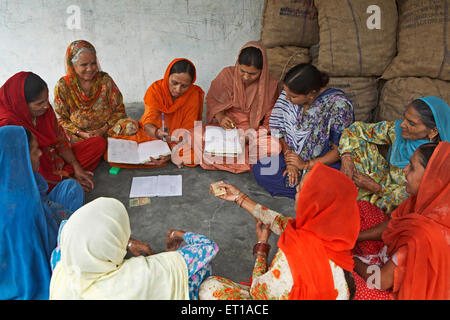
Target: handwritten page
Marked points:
219	141
156	186
128	151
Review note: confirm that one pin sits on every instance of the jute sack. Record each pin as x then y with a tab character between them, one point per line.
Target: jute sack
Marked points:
289	23
348	47
423	40
282	59
362	92
398	93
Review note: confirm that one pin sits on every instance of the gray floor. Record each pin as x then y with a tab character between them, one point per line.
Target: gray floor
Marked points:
231	227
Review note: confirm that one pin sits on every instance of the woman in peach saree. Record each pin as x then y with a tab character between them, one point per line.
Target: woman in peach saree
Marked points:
242	97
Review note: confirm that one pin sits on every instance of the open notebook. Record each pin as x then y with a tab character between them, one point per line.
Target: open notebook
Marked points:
156	186
221	142
128	151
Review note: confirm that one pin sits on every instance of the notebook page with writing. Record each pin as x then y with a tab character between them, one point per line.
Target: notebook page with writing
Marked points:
154	149
170	185
144	187
222	142
122	151
156	186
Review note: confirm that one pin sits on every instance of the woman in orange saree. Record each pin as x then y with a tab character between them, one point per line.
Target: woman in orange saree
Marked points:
241	96
413	258
178	100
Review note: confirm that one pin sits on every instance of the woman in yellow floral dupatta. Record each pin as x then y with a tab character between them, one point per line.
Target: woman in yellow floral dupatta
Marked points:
87	101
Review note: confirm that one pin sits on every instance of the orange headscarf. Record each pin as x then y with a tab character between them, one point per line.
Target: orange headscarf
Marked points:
181	113
227	90
326	227
419	233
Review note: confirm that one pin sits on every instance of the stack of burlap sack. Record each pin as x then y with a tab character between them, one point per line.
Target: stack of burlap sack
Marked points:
382	53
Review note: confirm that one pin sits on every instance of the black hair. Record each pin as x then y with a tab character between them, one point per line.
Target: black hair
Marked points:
425	152
304	78
252	57
29	137
183	66
33	87
426	115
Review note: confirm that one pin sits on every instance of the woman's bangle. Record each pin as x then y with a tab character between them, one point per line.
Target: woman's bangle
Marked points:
261	248
242	199
130	243
237	196
346	154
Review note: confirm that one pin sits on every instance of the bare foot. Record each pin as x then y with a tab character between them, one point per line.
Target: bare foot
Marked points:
174	238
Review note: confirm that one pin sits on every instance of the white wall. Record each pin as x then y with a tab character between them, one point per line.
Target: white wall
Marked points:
135	39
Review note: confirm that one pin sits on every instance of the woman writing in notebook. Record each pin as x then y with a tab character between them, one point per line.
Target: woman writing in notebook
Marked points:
171	103
241	96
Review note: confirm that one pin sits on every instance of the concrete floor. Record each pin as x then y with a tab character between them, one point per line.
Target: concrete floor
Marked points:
230	226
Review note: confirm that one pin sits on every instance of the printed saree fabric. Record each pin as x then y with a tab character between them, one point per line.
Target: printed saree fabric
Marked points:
419	233
311	134
87	112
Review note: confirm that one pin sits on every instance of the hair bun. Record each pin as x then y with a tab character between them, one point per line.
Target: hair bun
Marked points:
324	78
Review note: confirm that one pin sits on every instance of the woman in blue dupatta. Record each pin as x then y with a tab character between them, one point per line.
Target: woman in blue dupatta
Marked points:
29	217
308	118
379	176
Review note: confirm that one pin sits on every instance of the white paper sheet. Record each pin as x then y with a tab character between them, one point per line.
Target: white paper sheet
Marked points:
128	151
222	142
156	186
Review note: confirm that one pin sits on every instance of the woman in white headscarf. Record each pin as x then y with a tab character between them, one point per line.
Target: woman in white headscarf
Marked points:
94	243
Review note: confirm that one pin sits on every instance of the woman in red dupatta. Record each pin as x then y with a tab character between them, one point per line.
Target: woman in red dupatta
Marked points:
59	160
415	258
241	96
314	248
179	99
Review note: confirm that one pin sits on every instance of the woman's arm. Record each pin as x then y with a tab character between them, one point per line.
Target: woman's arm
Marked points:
378	133
380	277
275	220
261	249
328	158
373	233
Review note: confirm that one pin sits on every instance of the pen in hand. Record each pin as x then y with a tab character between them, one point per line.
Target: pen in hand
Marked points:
163	127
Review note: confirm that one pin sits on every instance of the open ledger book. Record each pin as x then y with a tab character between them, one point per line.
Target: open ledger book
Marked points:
221	142
156	186
128	151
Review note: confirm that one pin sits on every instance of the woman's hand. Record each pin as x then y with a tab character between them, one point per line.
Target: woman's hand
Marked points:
83	135
364	181
231	192
139	248
293	174
293	159
174	238
347	165
157	162
99	132
224	121
263	232
83	177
